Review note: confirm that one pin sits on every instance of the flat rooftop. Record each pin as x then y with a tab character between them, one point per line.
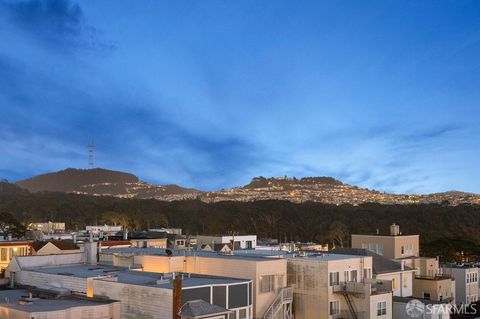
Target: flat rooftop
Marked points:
78	270
238	254
385	235
324	256
133	277
10	299
460	266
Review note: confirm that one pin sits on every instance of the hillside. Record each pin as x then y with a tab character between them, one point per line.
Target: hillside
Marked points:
271	218
102	182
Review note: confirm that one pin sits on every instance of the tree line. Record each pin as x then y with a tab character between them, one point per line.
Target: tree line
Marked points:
282	220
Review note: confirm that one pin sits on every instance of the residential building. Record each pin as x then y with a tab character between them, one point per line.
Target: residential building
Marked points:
429	282
54	247
269	275
337	286
394	245
141	294
52	302
243	241
466	282
383	268
103	229
11	248
50	227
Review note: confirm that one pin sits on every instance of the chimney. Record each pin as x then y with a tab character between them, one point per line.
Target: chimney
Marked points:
394	230
12	279
177	297
91	251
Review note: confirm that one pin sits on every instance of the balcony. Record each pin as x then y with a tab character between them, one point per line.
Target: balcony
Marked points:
350	288
358	289
434	277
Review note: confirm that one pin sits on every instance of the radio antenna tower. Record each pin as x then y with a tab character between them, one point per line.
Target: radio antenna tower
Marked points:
91	148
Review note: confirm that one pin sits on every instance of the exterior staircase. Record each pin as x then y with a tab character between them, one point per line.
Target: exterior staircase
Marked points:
281	303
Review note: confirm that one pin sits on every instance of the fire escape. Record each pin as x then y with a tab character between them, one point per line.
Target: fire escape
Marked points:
281	303
350	290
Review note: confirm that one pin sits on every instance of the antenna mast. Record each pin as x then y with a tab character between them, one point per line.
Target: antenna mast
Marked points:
91	148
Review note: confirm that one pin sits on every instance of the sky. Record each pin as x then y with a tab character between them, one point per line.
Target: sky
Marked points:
208	94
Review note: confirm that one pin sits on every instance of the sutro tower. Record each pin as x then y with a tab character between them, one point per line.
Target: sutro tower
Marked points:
91	148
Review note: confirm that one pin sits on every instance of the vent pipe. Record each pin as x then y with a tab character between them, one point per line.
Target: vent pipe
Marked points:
177	297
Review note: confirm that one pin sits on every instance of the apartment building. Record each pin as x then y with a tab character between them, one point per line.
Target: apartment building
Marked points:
385	269
394	245
429	282
337	286
268	274
466	282
12	248
143	295
243	241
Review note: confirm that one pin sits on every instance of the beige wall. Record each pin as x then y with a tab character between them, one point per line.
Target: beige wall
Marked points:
403	282
373	302
155	243
392	245
143	301
106	311
435	287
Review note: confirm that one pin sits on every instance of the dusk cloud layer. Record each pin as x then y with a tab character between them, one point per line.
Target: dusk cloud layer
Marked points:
210	94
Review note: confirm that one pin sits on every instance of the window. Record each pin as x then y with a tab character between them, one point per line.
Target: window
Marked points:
334	307
426	295
334	278
3	254
394	283
353	275
405	282
402	250
346	276
380	249
266	283
381	308
242	313
367	273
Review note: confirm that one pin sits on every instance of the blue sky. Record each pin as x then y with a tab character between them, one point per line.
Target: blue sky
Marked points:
207	94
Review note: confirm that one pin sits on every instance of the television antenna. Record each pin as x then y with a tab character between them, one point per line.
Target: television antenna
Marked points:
90	147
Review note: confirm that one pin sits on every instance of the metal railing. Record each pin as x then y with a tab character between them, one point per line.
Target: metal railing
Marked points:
381	286
350	287
284	296
434	277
